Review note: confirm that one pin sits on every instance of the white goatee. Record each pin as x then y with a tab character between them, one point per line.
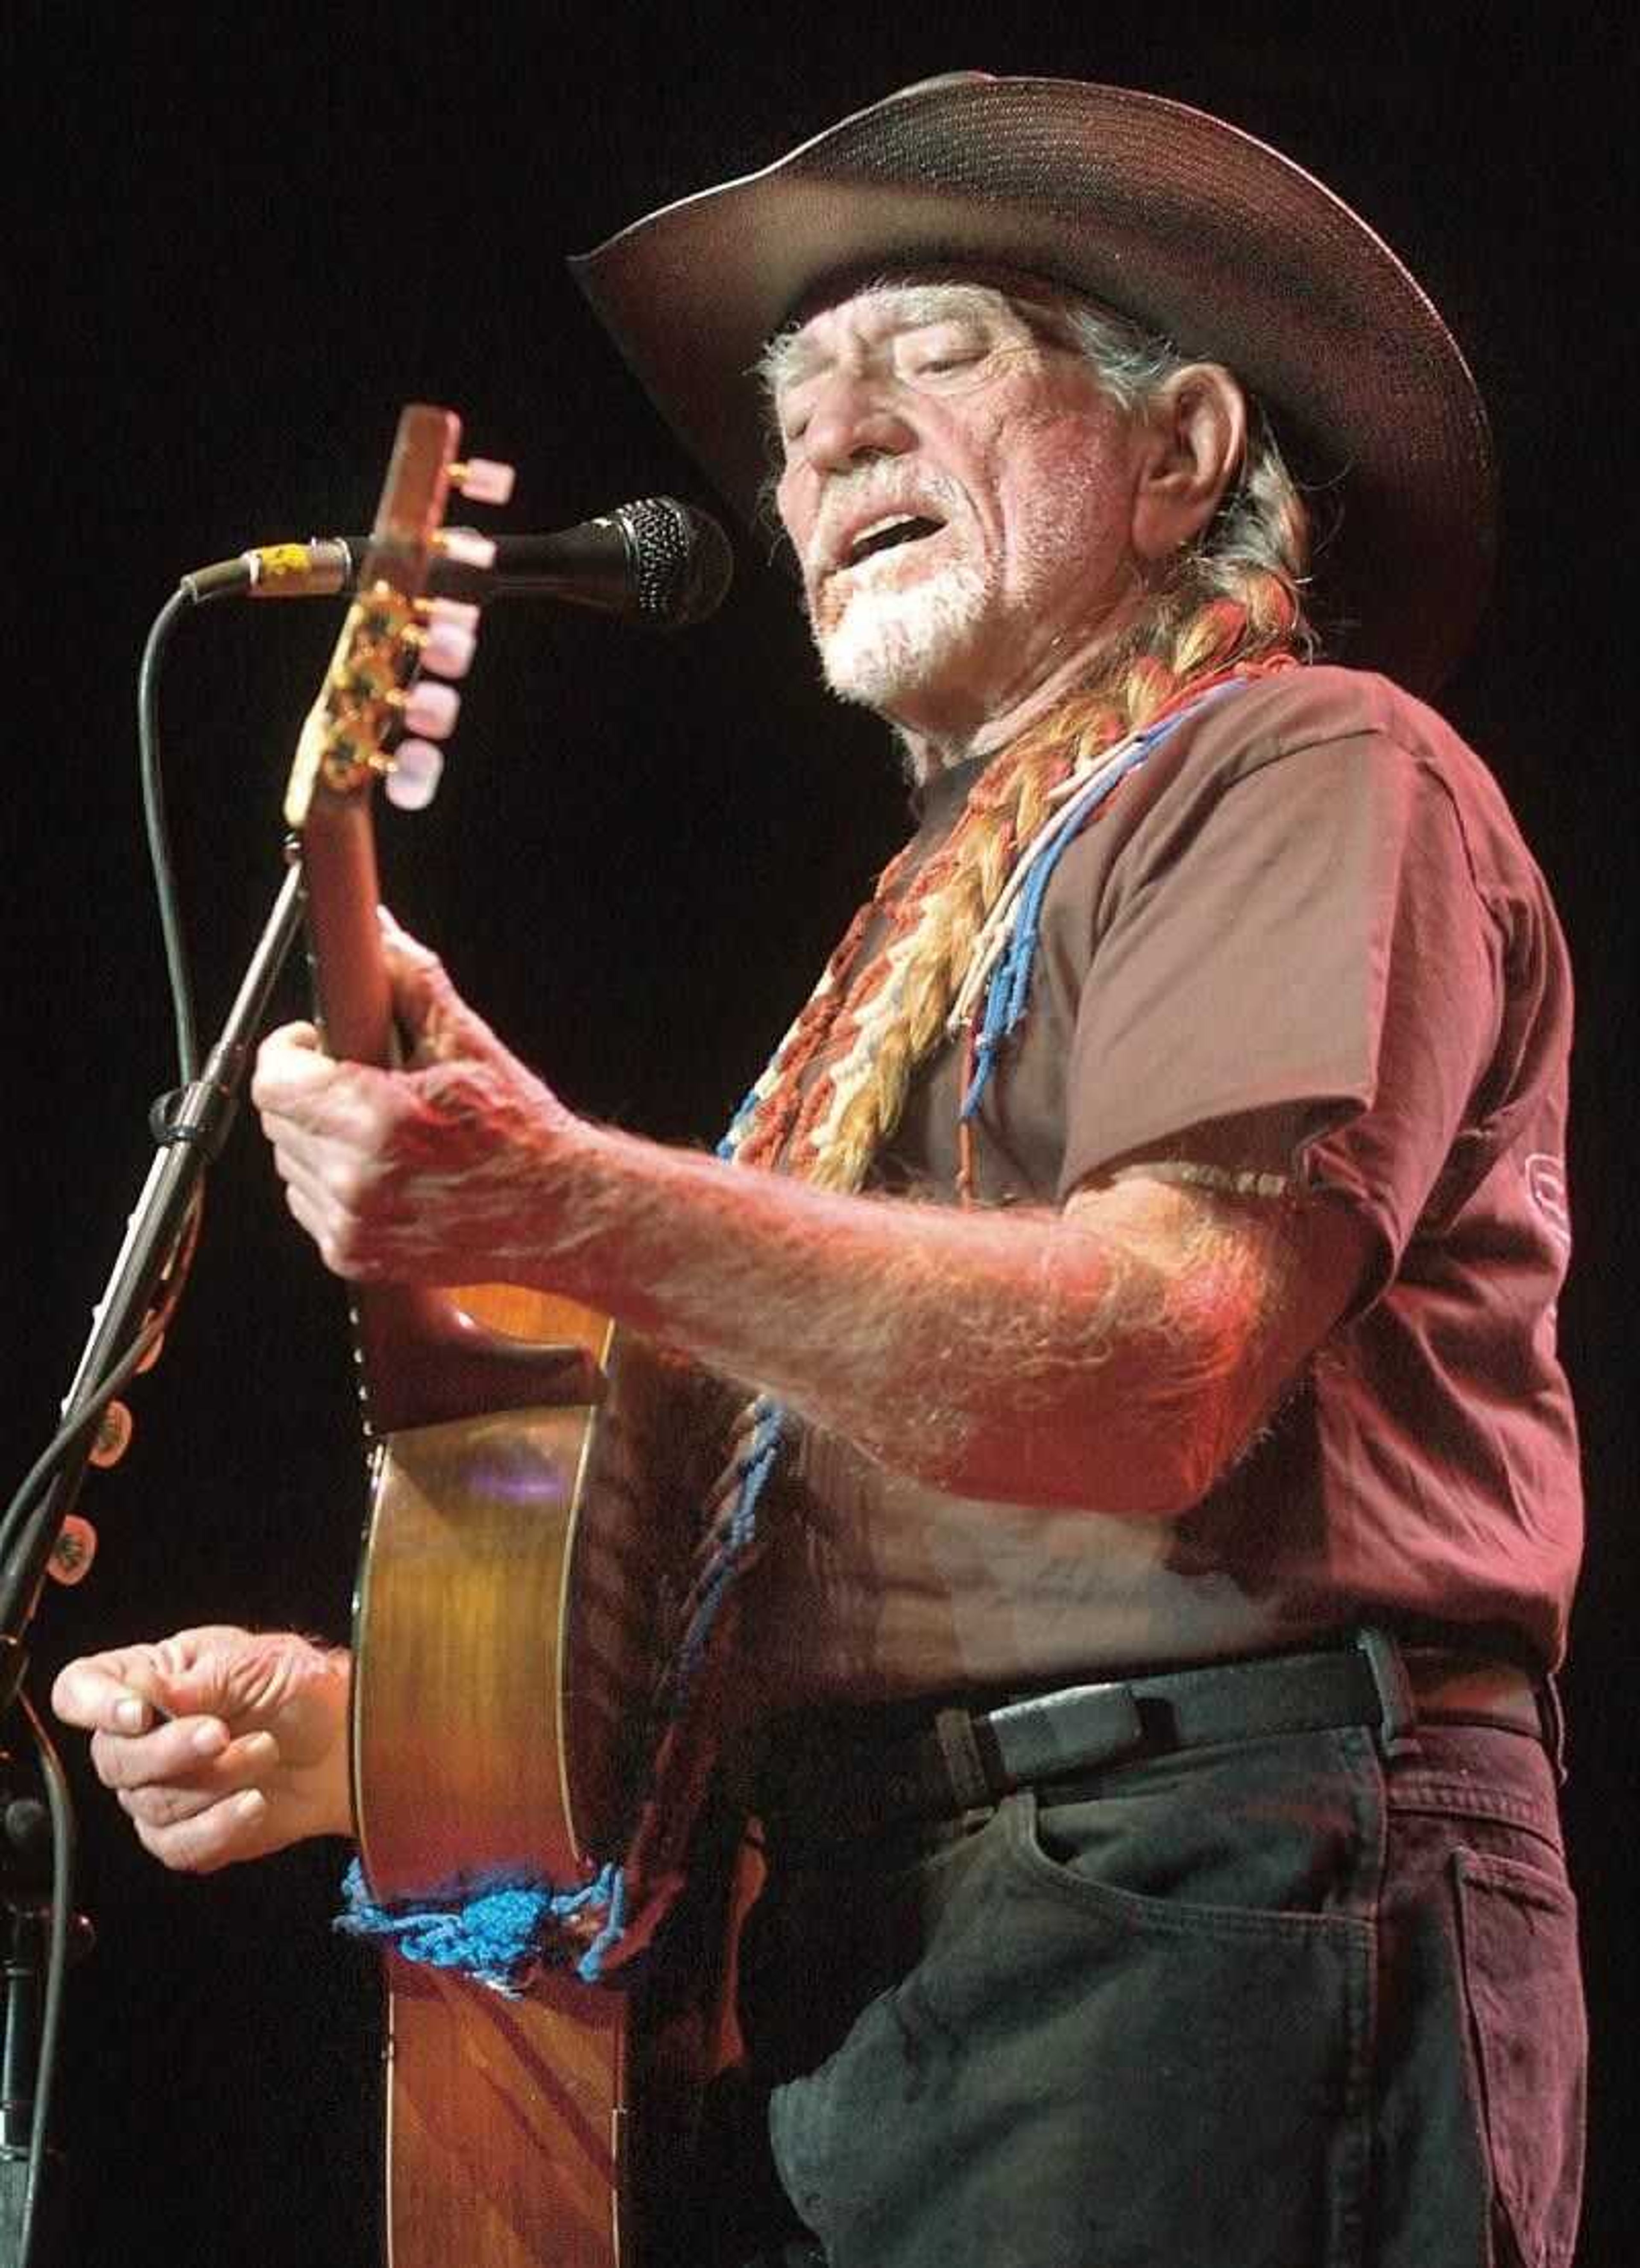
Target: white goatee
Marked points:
888	641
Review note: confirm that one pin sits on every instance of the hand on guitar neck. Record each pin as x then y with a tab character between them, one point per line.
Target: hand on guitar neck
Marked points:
418	1174
221	1744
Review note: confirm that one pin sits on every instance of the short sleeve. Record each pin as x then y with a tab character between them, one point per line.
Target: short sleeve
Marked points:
1302	936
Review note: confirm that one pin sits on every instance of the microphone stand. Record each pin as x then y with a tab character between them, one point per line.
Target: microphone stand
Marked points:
189	1127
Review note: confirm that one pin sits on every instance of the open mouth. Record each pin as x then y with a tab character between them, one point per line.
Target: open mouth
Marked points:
890	533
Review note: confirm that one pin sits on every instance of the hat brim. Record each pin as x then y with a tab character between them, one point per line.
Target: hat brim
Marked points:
1193	228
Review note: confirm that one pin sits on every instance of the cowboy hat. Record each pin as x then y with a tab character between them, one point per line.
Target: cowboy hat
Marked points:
1192	228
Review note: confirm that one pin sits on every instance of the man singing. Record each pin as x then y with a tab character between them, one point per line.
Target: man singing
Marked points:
1145	1241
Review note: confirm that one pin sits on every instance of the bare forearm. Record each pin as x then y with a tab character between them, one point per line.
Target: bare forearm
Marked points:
1091	1360
1114	1356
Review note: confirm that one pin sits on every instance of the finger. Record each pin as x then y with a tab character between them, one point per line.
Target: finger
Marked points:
182	1750
107	1692
334	1115
397	942
288	1161
290	1061
247	1764
337	1173
428	1007
126	1689
238	1826
417	974
163	1807
309	1162
198	1673
298	1039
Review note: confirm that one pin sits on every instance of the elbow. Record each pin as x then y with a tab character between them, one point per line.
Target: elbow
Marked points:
1193	1446
1178	1479
1161	1456
1156	1481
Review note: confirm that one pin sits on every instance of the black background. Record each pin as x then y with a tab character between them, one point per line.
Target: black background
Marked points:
246	238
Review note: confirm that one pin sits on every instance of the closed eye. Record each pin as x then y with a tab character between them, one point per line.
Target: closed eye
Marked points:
937	365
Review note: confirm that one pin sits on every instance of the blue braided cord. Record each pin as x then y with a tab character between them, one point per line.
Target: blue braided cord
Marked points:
590	1968
499	1935
1008	988
756	1463
731	1141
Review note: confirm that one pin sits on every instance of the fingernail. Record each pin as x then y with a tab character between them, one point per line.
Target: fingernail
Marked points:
252	1801
209	1739
130	1716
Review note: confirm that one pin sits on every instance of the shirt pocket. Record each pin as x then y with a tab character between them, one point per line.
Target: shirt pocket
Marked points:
1518	1938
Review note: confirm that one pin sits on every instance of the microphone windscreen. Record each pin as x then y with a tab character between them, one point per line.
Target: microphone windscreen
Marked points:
681	562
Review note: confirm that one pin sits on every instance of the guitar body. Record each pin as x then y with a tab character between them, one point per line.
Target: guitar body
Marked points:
505	2124
512	1602
502	1663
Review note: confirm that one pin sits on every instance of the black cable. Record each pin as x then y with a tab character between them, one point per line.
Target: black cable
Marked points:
158	837
59	1806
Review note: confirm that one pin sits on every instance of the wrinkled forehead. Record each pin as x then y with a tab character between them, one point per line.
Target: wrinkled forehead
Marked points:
878	304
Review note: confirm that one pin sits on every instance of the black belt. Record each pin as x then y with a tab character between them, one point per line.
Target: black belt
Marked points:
964	1760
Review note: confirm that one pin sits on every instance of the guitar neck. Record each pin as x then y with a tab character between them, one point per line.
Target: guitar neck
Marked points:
424	1358
350	969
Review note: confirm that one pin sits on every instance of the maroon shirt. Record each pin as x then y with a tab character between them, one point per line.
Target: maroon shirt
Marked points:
1312	909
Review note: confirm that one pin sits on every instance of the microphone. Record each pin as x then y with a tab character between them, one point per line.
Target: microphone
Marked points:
656	562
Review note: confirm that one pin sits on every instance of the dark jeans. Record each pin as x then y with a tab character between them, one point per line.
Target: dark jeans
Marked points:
1278	2004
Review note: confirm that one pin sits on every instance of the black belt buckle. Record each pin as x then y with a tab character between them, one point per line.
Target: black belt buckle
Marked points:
1052	1734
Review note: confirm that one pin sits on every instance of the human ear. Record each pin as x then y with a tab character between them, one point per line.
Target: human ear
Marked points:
1195	439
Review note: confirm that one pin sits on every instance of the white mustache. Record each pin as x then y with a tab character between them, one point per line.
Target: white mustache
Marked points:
872	493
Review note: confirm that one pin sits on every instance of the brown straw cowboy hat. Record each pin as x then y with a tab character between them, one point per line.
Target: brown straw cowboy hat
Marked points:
1192	228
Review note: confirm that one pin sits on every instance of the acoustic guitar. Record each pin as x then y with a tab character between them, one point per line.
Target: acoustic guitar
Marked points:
518	1552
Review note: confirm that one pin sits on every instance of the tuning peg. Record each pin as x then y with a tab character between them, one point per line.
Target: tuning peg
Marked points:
465	547
113	1436
74	1551
413	775
431	710
460	612
483	481
447	650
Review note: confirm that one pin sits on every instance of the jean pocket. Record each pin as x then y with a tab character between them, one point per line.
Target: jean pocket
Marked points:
1063	2076
1518	1934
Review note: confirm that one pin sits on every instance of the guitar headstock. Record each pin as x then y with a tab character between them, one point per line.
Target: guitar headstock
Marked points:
375	717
